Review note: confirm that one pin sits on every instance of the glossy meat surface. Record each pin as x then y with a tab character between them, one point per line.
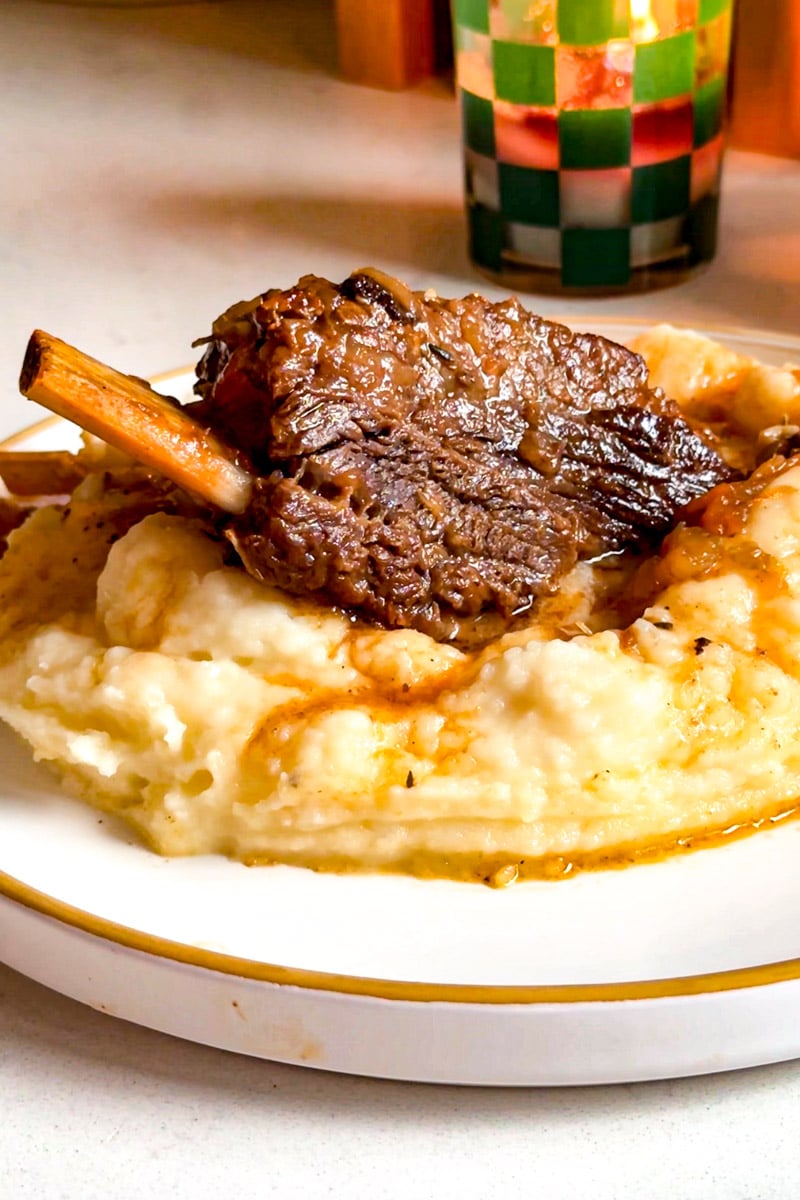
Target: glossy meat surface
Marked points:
428	463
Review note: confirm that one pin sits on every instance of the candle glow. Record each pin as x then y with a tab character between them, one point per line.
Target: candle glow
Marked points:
645	26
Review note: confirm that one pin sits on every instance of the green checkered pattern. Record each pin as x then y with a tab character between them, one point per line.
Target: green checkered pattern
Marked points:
585	159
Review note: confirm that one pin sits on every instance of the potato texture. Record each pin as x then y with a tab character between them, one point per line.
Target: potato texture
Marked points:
216	715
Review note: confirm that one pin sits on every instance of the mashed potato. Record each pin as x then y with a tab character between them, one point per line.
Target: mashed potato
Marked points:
218	716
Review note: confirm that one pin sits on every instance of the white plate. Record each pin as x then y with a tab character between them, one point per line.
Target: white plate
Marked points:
681	967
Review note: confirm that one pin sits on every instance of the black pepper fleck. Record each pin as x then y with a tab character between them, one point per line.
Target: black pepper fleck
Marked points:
410	779
700	644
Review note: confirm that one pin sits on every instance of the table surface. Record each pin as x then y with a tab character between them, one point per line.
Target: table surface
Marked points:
161	162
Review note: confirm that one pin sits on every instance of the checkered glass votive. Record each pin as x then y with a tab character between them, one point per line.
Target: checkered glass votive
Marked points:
592	134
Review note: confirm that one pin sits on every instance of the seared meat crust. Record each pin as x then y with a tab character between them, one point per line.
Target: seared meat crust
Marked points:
428	462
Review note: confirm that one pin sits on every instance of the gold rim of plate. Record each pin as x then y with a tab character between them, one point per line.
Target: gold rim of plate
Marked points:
407	990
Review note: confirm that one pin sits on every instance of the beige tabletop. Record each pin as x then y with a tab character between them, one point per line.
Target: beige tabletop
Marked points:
159	163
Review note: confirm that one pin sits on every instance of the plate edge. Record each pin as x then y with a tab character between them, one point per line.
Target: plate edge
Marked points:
736	979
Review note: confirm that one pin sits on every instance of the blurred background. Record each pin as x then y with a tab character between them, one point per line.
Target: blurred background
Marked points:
165	160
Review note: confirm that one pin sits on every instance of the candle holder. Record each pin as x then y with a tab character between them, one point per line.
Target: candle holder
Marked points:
593	139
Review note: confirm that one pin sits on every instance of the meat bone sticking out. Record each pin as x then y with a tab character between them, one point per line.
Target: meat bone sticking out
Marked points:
422	462
128	414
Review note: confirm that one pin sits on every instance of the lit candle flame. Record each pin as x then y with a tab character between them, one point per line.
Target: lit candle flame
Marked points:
645	26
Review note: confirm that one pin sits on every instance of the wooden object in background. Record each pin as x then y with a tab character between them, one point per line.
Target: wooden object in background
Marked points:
386	43
765	110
